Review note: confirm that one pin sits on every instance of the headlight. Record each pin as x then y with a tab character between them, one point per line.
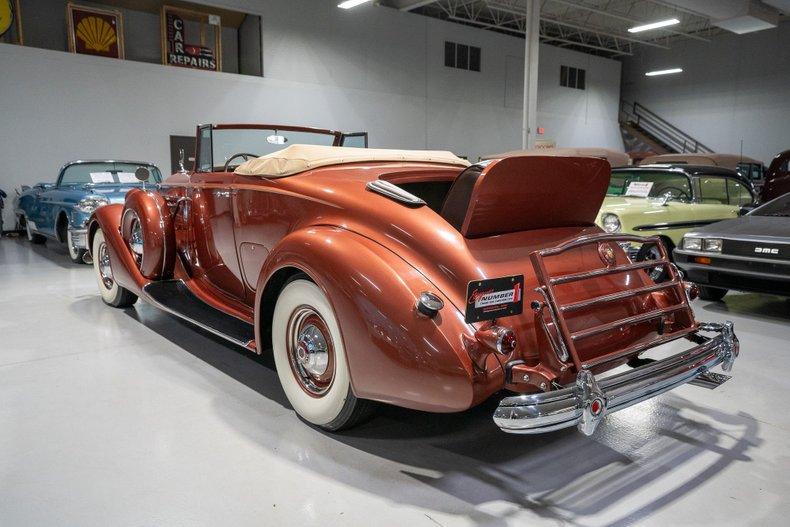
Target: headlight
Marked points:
611	223
91	203
692	244
711	244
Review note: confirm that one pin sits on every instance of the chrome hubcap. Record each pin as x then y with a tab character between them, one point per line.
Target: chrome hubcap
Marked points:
104	266
310	351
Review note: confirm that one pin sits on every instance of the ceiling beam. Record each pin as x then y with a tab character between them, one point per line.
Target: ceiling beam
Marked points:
546	38
414	4
506	9
603	12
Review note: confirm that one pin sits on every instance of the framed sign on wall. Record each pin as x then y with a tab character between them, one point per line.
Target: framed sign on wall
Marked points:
10	22
180	27
95	31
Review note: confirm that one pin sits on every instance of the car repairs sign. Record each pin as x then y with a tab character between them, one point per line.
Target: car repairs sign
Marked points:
494	298
177	52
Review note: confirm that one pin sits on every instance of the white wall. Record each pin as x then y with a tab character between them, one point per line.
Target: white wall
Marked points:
369	68
735	88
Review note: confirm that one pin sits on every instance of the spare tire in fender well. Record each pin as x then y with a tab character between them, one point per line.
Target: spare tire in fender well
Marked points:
159	248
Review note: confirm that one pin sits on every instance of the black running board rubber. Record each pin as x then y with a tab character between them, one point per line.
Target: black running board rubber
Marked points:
177	299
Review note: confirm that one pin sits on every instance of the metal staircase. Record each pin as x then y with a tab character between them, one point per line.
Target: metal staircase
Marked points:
644	131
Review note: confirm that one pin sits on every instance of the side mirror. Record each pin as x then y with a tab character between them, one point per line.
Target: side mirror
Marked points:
25	188
142	174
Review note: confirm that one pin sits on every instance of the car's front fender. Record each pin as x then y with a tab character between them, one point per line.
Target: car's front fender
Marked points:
394	354
124	268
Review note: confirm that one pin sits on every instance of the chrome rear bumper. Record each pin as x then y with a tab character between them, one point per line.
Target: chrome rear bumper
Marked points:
589	400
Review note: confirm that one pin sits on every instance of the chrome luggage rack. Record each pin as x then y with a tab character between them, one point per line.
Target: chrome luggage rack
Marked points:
565	343
585	402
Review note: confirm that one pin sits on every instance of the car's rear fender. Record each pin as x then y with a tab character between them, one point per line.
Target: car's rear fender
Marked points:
394	354
124	268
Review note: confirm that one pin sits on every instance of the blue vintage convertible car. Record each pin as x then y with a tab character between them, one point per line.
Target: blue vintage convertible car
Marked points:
60	211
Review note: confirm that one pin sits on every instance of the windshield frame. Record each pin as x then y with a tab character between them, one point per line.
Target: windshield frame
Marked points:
672	171
62	171
336	141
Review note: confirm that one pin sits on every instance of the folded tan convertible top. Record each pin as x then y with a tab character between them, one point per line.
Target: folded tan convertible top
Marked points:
299	158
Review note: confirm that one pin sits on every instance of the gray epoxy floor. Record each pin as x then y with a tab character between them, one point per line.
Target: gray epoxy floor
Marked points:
132	417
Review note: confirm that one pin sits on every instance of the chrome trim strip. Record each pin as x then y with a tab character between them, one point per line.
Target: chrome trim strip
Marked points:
392	191
751	238
677	225
588	400
727	270
711	254
150	300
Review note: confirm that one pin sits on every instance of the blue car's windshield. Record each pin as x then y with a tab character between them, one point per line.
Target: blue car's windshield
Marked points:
105	173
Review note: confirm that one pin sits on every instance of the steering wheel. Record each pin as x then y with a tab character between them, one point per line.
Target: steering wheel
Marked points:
680	192
245	155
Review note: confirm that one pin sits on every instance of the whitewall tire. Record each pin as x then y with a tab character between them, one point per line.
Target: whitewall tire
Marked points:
311	359
113	294
76	255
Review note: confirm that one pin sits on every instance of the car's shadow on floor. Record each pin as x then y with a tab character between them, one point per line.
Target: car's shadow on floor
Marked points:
750	305
52	251
469	464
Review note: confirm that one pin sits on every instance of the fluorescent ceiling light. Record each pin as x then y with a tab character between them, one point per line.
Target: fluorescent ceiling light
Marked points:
654	25
664	72
348	4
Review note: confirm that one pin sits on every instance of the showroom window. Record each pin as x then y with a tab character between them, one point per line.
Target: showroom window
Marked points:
185	35
462	56
572	77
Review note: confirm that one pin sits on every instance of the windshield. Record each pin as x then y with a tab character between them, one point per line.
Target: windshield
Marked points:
777	207
650	184
105	174
228	142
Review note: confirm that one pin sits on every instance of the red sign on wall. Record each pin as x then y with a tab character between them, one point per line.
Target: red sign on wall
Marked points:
178	52
95	31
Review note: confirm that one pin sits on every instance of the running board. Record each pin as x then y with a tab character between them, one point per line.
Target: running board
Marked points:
177	299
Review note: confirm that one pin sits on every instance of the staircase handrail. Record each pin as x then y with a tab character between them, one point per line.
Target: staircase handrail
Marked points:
664	131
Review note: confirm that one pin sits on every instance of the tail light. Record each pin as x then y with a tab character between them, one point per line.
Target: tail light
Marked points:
692	290
498	338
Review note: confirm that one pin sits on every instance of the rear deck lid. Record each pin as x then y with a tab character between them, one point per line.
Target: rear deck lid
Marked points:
535	192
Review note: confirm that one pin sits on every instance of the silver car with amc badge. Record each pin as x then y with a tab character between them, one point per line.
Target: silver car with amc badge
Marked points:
750	253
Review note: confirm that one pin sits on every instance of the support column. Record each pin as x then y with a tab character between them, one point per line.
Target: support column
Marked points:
529	126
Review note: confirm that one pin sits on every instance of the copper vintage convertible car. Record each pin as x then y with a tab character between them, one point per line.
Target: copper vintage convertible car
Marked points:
407	277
